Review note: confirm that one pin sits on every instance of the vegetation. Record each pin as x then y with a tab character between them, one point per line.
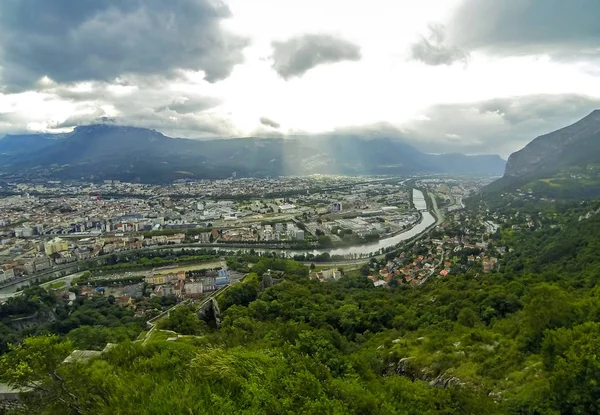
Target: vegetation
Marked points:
142	260
89	323
183	320
523	340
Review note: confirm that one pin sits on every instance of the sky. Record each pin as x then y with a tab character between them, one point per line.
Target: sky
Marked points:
470	76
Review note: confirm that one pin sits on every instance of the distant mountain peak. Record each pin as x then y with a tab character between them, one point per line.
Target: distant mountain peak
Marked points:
110	127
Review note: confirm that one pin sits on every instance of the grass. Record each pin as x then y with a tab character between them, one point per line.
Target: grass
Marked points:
142	335
56	285
161	335
346	268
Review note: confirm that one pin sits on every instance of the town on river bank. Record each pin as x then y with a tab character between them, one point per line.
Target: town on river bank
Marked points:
332	224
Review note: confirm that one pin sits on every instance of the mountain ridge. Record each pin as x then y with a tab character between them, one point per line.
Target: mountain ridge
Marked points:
100	151
564	163
549	146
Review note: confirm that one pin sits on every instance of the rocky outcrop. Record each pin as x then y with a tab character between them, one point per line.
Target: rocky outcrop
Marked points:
39	318
407	368
211	313
445	381
546	152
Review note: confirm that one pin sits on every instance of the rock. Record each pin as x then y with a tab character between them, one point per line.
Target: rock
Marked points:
405	368
444	381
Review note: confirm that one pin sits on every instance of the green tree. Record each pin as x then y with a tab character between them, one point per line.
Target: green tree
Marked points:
576	372
35	365
467	317
183	320
324	241
241	294
546	307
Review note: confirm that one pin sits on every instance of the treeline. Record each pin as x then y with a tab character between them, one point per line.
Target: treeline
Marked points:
152	263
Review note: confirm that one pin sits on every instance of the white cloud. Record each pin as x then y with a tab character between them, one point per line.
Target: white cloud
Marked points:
386	85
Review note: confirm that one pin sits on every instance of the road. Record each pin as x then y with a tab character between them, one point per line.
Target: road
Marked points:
437	213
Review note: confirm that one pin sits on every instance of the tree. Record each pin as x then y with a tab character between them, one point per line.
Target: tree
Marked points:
241	294
576	373
467	317
96	337
183	320
325	241
546	307
35	365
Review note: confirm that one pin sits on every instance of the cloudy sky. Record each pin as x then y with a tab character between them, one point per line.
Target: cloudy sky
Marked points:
473	76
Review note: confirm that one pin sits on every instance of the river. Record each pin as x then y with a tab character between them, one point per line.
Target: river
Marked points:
366	249
351	252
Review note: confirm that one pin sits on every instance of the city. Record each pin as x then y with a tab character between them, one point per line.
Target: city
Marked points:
46	237
224	207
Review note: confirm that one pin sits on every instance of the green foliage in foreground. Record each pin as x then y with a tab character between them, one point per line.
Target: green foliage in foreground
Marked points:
510	346
199	377
522	341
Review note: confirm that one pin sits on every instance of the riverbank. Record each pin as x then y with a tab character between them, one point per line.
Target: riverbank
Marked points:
353	253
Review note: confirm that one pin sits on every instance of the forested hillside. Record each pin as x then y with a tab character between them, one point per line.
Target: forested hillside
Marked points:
522	340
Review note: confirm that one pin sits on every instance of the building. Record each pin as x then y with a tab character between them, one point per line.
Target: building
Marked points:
194	288
167	290
209	283
159	279
55	245
6	274
134	291
203	238
336	207
221	281
327	275
24	232
37	264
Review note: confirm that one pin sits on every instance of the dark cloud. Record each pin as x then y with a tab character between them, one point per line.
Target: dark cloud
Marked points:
297	55
269	122
561	28
434	49
80	40
498	126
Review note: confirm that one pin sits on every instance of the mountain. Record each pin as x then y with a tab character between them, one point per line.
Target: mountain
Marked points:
569	146
13	145
106	151
562	163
